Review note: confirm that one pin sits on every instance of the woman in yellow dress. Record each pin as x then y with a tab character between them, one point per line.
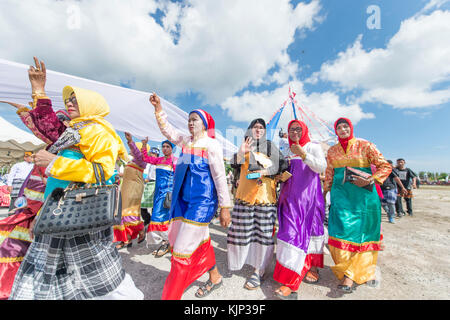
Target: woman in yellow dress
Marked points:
85	266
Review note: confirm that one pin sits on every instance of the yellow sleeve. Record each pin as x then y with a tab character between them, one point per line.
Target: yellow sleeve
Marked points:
97	145
376	158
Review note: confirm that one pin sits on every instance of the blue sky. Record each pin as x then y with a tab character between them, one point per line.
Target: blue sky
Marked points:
392	82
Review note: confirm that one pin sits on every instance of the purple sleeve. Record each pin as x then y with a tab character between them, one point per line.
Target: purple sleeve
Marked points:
46	121
137	156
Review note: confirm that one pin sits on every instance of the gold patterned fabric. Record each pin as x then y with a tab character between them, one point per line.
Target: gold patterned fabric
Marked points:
250	192
360	153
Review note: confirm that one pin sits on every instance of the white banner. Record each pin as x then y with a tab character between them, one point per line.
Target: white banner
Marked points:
131	110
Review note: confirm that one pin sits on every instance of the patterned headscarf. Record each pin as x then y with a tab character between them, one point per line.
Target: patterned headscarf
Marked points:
208	121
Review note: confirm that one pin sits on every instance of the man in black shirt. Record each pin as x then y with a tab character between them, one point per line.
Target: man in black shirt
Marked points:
389	189
408	179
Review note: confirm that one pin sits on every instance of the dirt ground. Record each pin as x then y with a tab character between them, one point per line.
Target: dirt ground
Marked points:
414	264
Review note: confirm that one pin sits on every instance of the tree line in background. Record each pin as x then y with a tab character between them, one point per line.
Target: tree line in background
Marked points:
434	176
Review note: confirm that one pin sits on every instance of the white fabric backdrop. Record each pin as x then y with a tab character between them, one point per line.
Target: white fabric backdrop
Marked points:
130	109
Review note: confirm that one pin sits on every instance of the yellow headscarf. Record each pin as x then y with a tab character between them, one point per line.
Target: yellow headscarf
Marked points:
94	107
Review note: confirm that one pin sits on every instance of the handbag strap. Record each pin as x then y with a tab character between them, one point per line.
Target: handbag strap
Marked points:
99	174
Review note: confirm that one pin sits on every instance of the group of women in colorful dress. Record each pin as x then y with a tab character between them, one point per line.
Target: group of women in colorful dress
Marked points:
88	266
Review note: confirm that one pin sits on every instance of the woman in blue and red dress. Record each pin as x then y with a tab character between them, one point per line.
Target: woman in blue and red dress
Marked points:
200	186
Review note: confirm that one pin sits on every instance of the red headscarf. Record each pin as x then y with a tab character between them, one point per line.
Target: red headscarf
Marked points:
305	133
208	121
344	142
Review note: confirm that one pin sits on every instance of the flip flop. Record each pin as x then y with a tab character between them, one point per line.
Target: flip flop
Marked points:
254	280
141	240
312	275
205	290
162	250
372	283
345	289
121	245
292	296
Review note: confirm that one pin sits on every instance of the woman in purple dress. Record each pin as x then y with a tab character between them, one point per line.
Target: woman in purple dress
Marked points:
300	237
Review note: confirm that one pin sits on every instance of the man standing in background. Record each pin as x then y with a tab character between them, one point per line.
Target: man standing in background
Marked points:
17	175
408	179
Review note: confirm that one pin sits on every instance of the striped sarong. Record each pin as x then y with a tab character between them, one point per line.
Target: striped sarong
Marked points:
250	238
16	186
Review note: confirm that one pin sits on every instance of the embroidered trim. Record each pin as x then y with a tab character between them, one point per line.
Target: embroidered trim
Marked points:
70	137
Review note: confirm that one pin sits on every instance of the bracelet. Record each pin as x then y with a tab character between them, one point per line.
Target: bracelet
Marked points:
23	109
303	156
38	93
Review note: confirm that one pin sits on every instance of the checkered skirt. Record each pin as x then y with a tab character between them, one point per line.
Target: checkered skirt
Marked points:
69	268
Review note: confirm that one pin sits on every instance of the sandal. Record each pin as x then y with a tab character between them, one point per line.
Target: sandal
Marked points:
292	296
312	277
373	283
205	290
120	245
141	239
254	281
345	289
162	250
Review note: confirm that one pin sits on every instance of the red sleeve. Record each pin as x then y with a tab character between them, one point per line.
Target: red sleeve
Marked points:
46	121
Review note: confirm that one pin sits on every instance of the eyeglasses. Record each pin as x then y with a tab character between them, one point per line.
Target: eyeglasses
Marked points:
72	99
298	130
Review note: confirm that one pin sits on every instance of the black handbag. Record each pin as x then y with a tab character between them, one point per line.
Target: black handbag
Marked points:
350	173
80	209
167	200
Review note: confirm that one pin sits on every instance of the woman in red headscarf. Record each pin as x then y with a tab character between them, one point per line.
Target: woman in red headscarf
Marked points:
301	209
200	186
355	212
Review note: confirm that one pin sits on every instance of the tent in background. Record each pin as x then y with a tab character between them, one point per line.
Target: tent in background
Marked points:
14	142
130	109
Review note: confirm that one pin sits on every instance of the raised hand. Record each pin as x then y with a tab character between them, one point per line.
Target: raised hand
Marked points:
144	142
298	150
37	76
246	146
156	102
128	137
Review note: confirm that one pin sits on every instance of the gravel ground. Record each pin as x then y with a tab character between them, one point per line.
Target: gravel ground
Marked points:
414	264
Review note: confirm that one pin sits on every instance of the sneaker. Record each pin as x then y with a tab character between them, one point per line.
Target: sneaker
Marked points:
391	220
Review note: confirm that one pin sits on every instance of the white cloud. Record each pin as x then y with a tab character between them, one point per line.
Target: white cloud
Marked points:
405	73
326	106
212	47
433	4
